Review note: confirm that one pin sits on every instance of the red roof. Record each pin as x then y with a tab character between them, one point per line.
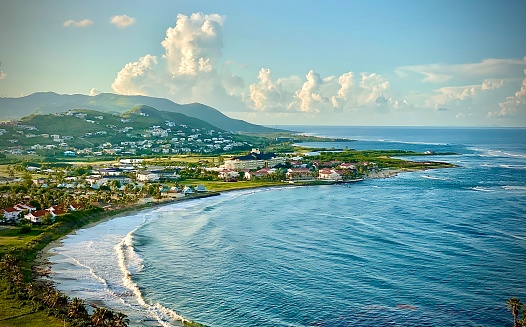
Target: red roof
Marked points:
299	170
59	212
77	206
11	210
39	213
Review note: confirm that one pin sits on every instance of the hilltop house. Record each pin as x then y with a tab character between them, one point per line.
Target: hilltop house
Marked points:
254	160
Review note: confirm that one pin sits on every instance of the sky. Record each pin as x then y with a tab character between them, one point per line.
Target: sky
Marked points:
271	62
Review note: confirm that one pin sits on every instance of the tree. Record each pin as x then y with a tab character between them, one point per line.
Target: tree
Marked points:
514	305
76	309
101	317
120	320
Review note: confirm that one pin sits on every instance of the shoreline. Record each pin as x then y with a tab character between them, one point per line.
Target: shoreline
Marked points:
42	267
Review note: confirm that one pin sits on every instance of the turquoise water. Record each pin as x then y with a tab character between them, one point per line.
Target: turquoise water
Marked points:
436	248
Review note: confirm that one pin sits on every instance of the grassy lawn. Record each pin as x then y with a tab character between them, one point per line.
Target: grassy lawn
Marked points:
220	186
10	237
13	312
17	314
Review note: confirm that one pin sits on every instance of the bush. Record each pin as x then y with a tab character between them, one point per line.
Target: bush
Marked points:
25	229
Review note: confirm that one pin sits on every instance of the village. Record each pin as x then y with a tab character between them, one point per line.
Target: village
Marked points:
92	137
41	194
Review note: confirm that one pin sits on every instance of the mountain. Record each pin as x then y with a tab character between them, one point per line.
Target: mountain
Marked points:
50	102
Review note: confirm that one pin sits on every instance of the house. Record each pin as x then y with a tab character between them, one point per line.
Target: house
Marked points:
123	180
228	173
329	174
76	206
147	176
172	194
57	208
24	207
299	174
10	214
39	181
346	165
36	217
167	174
259	173
110	171
200	188
58	212
188	190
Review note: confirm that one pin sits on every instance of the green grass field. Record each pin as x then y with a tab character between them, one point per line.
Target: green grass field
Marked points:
14	312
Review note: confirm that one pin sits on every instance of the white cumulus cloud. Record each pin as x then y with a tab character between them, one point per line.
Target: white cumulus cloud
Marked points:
267	94
3	75
93	92
81	23
122	21
137	78
194	45
513	105
188	71
309	96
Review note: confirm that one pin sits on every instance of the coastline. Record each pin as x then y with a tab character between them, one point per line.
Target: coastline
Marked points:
42	265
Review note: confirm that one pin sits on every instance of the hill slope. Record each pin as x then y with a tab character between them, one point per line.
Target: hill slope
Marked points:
49	103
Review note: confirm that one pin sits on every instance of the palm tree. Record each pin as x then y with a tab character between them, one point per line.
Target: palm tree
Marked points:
514	305
76	309
101	317
120	320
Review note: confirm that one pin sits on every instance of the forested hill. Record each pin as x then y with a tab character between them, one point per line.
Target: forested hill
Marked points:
49	103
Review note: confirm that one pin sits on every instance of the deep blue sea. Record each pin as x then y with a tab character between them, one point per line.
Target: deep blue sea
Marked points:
442	247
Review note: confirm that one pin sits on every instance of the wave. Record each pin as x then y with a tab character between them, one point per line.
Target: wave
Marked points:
481	189
497	153
125	254
514	188
434	177
104	282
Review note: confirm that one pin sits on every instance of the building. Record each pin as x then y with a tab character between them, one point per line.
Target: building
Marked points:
299	174
10	214
36	217
329	175
254	160
147	176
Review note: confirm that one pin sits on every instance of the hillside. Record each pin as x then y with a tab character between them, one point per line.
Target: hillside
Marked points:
50	103
141	130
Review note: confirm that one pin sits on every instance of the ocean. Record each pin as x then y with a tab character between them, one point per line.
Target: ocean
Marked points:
444	247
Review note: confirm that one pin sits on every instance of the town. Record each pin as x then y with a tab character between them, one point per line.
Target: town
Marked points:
41	193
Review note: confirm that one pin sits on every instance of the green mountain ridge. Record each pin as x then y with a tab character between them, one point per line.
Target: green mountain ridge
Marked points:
50	103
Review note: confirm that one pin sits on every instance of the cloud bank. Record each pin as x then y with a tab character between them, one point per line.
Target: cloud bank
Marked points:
192	69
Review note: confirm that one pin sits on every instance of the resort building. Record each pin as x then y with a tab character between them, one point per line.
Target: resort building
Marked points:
254	160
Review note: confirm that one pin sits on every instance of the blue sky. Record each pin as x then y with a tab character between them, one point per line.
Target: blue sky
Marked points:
280	62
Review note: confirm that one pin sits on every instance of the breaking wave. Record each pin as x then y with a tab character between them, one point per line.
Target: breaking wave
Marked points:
128	257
